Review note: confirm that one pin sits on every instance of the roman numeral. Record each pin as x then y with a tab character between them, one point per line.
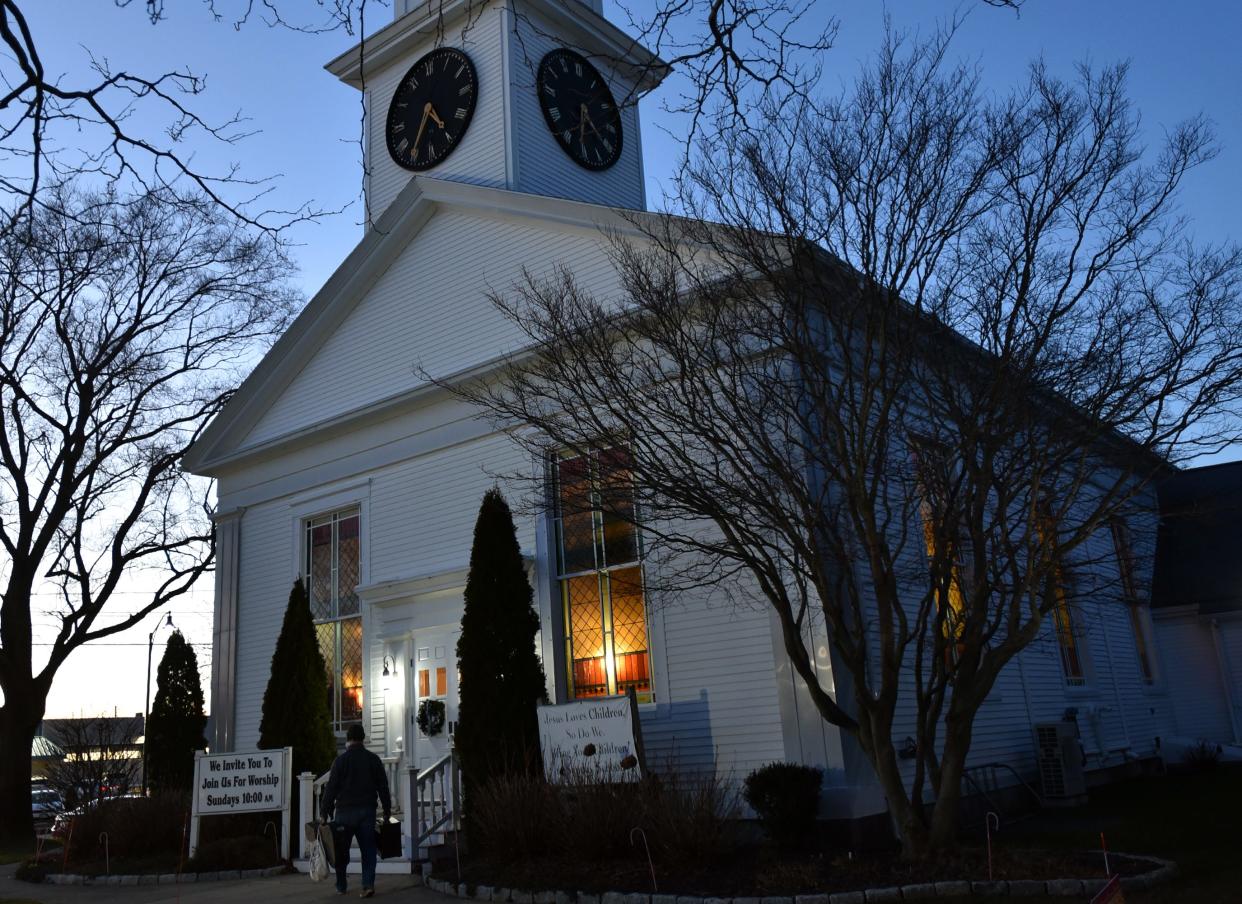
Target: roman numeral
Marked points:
567	135
460	114
549	90
460	70
403	145
607	144
398	127
555	113
578	69
464	90
428	66
413	82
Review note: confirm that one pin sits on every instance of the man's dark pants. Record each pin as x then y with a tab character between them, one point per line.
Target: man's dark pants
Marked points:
349	823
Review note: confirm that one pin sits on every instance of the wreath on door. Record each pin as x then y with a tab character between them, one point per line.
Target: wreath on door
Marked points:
430	717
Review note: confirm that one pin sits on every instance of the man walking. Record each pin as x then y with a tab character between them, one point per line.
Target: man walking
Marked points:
356	780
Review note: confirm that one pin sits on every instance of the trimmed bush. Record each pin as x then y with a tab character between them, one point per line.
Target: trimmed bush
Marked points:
295	704
175	729
501	677
785	796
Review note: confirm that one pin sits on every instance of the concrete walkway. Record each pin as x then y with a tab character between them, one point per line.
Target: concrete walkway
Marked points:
289	887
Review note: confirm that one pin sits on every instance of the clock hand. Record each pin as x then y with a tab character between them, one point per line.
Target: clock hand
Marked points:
422	126
434	117
586	120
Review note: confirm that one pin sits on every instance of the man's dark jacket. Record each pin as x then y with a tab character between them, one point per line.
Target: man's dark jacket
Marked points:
357	778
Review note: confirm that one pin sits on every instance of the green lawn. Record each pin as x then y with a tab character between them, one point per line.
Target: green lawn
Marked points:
1195	820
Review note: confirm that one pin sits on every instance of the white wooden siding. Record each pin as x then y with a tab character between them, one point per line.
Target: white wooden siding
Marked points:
431	309
543	168
480	157
267	561
716	706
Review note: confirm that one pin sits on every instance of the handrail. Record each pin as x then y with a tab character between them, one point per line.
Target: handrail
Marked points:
435	799
983	791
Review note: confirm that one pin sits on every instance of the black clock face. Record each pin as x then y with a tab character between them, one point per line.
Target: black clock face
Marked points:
431	108
579	109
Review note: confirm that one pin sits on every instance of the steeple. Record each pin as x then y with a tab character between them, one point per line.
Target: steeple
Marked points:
538	96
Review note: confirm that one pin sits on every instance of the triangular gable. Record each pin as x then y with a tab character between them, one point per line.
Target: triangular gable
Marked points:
412	295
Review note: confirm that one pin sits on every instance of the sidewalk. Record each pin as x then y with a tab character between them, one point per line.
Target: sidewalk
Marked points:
289	887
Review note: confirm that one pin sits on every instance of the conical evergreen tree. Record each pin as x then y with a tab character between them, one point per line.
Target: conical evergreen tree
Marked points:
175	728
295	704
501	677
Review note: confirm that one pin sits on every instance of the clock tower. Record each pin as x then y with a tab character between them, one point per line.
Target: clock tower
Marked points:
535	96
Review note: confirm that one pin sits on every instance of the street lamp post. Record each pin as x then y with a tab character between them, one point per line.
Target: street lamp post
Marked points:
146	701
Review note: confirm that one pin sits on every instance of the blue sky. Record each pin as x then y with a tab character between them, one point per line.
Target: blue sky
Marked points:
1184	61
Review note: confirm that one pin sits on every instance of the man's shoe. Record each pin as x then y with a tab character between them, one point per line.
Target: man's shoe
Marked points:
342	891
367	893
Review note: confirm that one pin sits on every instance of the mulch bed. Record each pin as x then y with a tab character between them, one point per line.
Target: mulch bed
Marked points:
758	872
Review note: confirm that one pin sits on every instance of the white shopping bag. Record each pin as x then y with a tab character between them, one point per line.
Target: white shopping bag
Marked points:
319	868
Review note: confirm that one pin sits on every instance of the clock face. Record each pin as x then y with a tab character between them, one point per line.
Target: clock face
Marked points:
431	108
579	109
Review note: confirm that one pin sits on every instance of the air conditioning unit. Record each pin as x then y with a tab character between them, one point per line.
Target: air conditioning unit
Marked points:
1059	754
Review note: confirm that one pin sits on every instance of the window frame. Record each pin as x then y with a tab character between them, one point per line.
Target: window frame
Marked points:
603	571
922	449
1065	626
316	504
336	668
1136	608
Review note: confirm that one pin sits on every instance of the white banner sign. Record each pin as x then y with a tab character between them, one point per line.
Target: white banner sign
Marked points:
241	782
595	739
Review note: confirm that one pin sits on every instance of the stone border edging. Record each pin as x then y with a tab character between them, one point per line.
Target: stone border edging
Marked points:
1164	872
162	878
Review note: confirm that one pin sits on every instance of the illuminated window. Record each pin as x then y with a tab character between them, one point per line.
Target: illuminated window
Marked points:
955	617
1130	597
600	576
932	485
332	555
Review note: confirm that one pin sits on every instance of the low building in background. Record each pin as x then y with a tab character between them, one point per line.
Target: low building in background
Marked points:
1197	604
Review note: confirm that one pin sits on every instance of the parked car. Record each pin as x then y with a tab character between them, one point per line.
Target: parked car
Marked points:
65	819
45	805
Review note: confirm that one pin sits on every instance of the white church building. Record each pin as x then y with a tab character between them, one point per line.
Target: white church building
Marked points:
338	462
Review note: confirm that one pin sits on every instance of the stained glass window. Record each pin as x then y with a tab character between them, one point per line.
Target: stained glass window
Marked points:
606	641
332	560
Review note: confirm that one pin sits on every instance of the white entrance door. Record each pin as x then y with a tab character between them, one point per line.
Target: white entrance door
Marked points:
434	676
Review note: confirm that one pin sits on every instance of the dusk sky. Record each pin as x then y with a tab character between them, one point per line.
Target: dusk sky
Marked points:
1184	61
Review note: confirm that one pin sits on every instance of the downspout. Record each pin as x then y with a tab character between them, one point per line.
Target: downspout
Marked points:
1226	679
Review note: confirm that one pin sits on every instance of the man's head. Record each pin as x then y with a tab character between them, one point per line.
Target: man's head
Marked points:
355	734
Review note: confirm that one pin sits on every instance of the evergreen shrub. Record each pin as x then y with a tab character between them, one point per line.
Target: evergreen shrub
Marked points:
785	796
501	677
175	728
295	704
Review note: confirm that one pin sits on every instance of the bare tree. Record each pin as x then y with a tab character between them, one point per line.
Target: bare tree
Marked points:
909	350
126	322
102	757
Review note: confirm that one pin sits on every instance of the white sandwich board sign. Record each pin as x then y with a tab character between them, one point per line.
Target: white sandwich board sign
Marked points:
244	782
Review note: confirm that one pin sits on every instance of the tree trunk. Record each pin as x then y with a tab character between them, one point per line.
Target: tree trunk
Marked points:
18	722
944	828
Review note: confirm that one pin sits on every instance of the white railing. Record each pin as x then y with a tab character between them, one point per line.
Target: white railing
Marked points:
435	801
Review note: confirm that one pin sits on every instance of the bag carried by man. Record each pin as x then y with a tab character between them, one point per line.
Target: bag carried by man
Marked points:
323	851
388	837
